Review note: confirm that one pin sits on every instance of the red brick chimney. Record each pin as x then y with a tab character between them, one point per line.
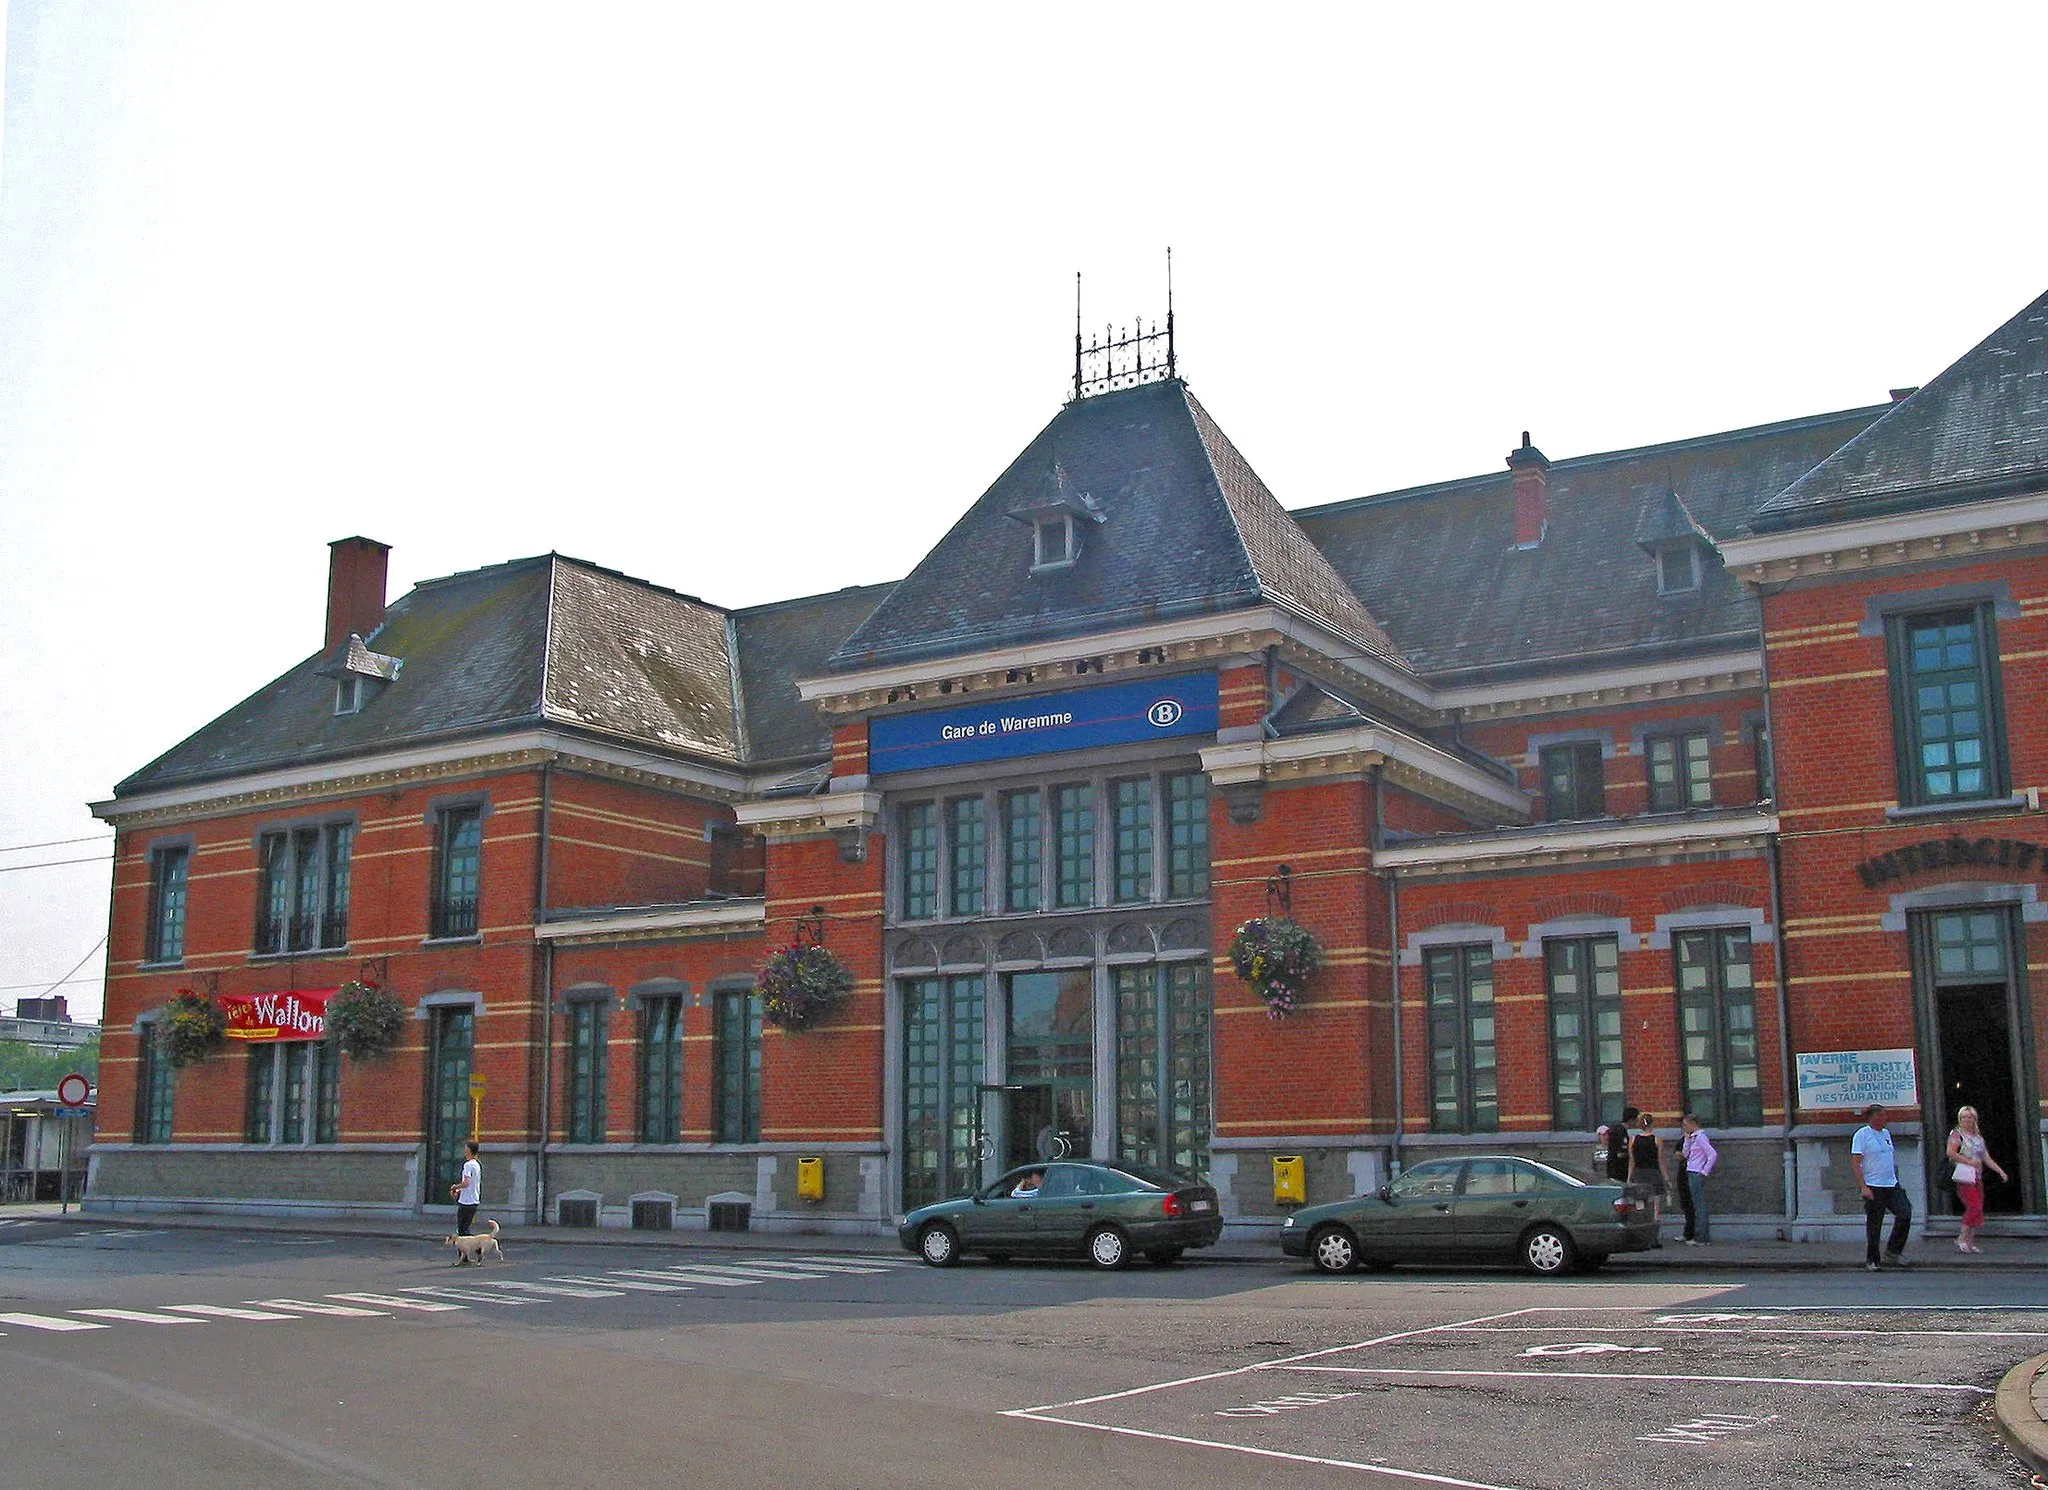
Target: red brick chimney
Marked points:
356	569
1532	493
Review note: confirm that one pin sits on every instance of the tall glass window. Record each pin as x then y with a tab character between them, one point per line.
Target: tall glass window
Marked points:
661	1070
1585	1030
1717	1026
1133	799
944	1055
448	1109
967	847
302	892
736	1051
169	873
1187	820
1970	945
1945	707
1574	783
586	1071
920	861
1681	771
156	1085
1464	1076
458	874
1074	809
1023	851
259	1118
1162	1066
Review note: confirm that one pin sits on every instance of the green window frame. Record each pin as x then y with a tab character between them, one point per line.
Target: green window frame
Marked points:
736	1055
920	860
449	1113
1720	1059
156	1090
967	854
326	1092
1464	1064
1132	799
1023	850
169	887
291	1082
1971	946
1574	781
1766	768
1681	771
661	1070
458	875
1948	717
1164	1017
1587	1081
586	1061
945	1031
1187	829
302	890
259	1120
1074	817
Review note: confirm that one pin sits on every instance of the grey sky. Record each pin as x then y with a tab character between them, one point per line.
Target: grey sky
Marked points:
752	305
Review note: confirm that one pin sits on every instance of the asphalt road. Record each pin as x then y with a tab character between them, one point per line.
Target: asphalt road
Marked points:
180	1359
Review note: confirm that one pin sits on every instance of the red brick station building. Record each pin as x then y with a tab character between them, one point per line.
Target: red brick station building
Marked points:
1701	776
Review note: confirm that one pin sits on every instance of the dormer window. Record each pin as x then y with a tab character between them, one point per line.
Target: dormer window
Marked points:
348	695
1678	568
1052	542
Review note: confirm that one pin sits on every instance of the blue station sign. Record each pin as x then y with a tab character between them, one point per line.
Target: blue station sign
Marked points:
1112	714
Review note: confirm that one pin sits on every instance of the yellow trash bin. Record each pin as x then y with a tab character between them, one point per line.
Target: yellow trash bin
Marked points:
1290	1179
810	1179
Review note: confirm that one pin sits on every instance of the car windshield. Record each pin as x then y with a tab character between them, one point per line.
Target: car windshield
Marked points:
1149	1177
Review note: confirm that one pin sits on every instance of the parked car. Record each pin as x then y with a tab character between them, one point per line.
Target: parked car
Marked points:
1106	1212
1482	1209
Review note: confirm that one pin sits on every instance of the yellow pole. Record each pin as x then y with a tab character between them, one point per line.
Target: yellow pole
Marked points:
476	1118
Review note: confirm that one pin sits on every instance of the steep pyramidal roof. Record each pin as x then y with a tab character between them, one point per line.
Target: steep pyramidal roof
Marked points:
1978	430
1172	521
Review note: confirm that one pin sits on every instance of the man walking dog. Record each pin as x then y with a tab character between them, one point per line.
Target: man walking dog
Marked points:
467	1192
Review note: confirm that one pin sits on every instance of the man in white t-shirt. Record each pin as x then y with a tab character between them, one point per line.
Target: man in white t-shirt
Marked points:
1877	1173
467	1192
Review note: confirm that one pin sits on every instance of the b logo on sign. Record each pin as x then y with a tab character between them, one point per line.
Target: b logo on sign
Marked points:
1164	714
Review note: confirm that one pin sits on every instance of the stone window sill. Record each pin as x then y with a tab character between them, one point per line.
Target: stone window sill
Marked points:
1975	807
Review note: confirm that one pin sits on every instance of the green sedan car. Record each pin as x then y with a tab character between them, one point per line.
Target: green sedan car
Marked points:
1491	1208
1106	1212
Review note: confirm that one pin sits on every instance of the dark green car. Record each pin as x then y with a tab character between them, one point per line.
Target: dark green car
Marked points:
1490	1208
1107	1212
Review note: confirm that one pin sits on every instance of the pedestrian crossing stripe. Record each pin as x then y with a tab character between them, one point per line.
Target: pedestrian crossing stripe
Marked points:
565	1290
307	1306
614	1280
424	1306
471	1296
228	1311
138	1316
681	1275
49	1322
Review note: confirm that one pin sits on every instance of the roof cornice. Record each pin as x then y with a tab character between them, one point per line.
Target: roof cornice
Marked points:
451	759
1722	671
1340	753
1889	541
1554	844
661	923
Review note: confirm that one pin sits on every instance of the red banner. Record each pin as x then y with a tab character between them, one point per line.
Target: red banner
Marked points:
300	1014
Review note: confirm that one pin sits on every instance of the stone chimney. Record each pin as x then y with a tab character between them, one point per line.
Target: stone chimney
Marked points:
1532	493
356	569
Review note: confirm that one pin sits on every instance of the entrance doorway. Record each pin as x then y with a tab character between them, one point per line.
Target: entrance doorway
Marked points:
1975	1050
1051	1066
448	1105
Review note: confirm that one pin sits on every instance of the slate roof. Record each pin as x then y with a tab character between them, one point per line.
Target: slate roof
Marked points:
1978	430
1438	565
780	643
1187	528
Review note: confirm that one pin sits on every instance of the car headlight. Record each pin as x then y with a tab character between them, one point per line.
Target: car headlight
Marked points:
1284	1225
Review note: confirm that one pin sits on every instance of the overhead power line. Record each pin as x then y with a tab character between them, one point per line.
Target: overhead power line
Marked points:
72	971
53	864
61	983
16	848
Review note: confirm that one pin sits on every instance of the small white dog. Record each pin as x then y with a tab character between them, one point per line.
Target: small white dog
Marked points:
472	1250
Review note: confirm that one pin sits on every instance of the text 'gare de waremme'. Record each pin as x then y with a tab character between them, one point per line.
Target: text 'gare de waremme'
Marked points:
1705	776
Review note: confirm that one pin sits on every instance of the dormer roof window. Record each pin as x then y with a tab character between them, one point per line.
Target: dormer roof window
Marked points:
359	674
1678	568
1052	541
348	695
1676	543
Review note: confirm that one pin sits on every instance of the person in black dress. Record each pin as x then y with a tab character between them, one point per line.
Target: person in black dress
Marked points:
1646	1166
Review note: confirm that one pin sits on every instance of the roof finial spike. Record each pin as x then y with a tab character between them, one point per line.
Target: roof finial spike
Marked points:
1171	366
1077	333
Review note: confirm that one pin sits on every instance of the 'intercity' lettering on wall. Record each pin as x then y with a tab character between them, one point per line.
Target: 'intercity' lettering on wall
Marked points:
1949	853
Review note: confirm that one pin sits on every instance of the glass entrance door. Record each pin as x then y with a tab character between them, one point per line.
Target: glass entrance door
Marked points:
1051	1065
943	1059
1162	1066
448	1110
1975	1049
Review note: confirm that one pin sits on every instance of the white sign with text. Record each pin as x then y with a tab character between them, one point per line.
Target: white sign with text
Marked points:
1853	1079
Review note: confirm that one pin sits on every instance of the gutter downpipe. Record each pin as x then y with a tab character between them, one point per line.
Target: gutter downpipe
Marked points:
1787	1072
1379	835
547	1004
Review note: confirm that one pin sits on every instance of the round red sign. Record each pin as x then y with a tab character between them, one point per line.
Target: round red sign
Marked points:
73	1090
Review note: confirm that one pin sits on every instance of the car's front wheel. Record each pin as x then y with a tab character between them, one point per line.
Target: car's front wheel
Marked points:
939	1245
1547	1251
1333	1250
1108	1249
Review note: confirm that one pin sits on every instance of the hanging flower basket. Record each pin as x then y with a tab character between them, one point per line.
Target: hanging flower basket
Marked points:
363	1020
1277	956
194	1027
799	984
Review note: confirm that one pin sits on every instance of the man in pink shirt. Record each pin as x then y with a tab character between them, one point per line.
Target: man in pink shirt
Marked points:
1697	1158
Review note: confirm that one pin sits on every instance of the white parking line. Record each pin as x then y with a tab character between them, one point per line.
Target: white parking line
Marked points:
137	1316
49	1322
1692	1329
389	1301
1777	1381
223	1311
